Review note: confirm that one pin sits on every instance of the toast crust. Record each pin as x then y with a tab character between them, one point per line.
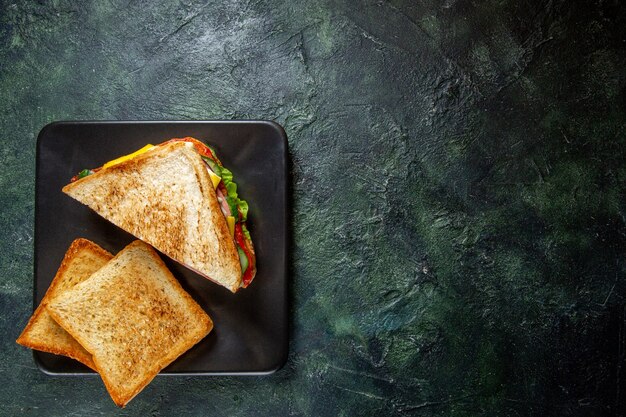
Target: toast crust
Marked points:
134	317
165	197
82	258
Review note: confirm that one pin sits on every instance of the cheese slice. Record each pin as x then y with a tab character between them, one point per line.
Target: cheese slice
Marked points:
231	225
214	178
127	157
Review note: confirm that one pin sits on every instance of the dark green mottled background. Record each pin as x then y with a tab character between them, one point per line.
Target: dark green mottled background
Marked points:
458	173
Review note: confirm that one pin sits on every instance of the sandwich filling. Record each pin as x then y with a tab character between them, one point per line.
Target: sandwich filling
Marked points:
234	209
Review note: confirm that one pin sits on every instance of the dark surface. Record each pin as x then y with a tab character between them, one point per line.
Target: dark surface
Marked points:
458	190
250	327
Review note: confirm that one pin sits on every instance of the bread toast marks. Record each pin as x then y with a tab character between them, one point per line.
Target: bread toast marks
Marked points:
165	198
82	259
133	317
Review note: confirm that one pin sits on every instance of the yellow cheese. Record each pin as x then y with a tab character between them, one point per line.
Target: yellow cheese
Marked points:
214	178
231	225
127	157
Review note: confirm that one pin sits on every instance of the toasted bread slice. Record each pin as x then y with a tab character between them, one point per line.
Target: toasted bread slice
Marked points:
82	259
165	197
134	318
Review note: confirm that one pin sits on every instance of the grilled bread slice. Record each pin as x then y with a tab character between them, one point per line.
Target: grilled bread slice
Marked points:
165	197
134	318
82	259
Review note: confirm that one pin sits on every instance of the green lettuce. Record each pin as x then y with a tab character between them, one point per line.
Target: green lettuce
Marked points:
245	231
84	173
236	204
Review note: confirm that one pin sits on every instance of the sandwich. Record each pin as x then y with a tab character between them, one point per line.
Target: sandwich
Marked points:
82	259
133	317
179	198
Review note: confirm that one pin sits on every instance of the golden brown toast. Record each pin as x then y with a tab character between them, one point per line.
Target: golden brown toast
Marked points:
134	318
82	259
165	197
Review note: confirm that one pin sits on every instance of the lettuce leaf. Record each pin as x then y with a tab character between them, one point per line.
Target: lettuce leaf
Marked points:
245	231
84	173
236	204
227	176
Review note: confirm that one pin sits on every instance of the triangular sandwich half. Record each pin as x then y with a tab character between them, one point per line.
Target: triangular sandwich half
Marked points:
82	259
167	196
134	317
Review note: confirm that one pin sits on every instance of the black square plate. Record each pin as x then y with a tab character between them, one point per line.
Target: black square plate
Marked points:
251	327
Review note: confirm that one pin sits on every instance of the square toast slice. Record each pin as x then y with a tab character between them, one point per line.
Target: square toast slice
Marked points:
134	318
